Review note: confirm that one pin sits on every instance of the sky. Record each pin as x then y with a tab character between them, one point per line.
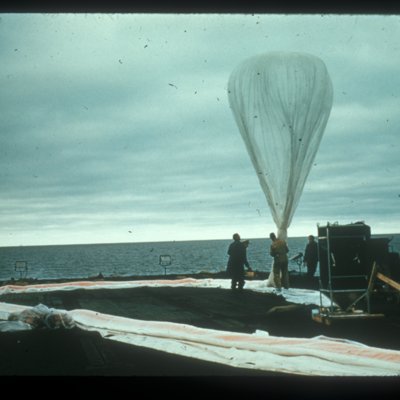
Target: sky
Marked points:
117	127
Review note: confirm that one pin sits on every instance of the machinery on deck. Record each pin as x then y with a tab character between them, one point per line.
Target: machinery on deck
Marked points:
353	268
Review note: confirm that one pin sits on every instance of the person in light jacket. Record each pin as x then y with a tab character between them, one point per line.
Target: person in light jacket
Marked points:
278	251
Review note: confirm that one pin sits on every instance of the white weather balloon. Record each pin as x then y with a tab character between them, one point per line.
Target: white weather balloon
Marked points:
281	103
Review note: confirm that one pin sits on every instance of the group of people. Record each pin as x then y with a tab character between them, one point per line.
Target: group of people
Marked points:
279	250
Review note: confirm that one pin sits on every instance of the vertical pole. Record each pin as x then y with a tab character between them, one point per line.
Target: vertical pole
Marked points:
371	284
328	248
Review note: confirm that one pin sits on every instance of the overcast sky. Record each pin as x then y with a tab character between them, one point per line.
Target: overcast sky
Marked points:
117	127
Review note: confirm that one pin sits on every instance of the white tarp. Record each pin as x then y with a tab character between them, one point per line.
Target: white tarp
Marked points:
294	295
39	316
320	356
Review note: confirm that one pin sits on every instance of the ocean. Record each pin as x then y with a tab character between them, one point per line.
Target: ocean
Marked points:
127	259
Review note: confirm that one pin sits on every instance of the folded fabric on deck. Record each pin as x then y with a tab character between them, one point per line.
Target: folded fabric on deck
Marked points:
294	295
319	356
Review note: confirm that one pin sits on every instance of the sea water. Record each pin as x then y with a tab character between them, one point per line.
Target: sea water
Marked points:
127	259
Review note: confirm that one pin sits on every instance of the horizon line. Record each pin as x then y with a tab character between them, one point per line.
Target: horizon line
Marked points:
169	241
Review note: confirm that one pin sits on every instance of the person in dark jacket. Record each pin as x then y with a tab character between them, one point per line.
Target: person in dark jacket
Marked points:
311	256
237	261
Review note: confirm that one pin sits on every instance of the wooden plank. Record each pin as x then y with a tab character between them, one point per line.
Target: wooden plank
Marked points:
389	281
354	316
328	319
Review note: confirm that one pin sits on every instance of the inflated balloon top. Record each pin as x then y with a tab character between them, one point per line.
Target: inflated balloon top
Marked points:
281	103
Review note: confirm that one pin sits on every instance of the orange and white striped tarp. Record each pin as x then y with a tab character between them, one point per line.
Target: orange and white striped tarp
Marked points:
319	356
294	295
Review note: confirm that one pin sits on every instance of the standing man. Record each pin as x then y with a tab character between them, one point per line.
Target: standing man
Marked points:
279	251
311	256
236	262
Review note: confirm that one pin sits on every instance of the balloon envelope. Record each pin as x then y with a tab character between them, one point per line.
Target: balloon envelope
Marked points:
281	103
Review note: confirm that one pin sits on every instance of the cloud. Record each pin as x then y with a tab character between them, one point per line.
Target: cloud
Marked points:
113	123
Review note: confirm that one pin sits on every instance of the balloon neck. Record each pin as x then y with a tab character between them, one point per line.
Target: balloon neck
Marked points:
282	233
